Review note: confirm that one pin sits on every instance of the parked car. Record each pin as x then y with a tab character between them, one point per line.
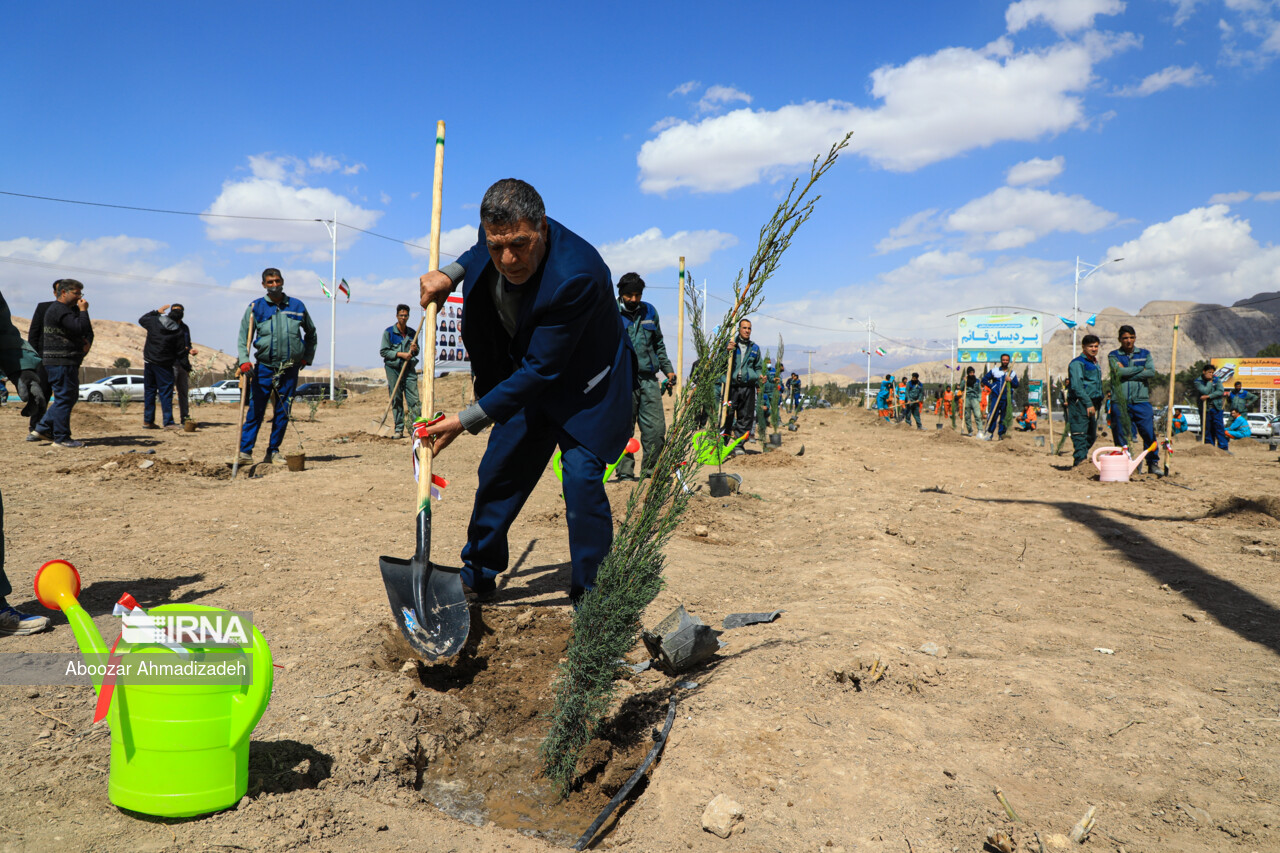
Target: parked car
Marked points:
112	388
318	391
1260	425
222	391
1192	414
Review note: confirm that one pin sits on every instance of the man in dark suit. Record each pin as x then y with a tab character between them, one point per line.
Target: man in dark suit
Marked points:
552	367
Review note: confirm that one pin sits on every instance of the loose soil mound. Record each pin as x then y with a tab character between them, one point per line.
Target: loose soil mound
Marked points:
777	458
1264	509
128	466
362	437
89	422
480	717
947	435
1201	450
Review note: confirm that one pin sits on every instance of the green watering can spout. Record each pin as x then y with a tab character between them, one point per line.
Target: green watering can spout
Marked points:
57	585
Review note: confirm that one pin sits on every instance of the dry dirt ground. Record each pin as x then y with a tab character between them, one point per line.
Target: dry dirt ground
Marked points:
877	541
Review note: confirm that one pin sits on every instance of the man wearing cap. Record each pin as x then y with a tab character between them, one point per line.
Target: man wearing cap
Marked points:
284	340
641	322
552	365
399	351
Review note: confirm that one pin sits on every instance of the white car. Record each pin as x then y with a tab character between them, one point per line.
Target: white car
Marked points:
1260	425
222	391
112	388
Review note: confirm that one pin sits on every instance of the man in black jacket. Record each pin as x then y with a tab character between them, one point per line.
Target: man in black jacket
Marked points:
166	343
67	336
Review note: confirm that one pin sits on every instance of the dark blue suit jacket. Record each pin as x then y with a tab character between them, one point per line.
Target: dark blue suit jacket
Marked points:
569	359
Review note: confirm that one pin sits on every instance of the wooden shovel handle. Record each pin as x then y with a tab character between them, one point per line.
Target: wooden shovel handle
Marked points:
428	345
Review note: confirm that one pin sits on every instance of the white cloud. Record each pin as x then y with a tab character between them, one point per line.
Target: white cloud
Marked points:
1205	254
1034	171
453	243
1267	196
1064	16
716	97
1254	39
1174	75
1183	9
685	88
663	123
276	191
384	198
1230	198
1009	218
932	108
650	251
931	266
922	227
286	168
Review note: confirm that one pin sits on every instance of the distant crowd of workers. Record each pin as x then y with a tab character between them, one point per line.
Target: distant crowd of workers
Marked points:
1126	405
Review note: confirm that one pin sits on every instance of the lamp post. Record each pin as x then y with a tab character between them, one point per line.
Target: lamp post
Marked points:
871	327
1075	310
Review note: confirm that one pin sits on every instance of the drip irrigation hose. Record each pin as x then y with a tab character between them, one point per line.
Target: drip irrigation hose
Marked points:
660	742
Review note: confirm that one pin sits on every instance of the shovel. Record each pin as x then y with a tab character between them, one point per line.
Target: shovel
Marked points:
427	600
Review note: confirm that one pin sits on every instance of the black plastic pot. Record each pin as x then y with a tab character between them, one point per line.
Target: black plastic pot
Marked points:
722	485
775	439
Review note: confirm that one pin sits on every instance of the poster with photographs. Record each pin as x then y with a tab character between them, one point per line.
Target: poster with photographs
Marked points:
450	354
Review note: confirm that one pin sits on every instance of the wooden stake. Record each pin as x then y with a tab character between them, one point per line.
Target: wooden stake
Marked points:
1173	372
429	350
680	330
244	393
1048	396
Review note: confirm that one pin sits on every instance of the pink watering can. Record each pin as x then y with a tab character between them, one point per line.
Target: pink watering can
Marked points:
1115	465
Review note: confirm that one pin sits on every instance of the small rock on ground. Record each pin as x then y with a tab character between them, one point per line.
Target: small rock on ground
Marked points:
722	816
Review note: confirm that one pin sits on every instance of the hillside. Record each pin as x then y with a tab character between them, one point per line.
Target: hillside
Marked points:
113	339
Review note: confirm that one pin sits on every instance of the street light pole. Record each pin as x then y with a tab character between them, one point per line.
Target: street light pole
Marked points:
1075	310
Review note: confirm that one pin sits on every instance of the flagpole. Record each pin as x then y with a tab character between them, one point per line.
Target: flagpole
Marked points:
680	329
870	328
333	306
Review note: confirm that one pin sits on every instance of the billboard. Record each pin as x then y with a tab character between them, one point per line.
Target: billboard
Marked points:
450	353
1256	374
984	337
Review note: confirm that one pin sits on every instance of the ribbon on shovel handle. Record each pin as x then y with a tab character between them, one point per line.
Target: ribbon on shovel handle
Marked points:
438	483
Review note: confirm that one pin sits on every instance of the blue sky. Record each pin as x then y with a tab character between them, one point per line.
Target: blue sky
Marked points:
993	143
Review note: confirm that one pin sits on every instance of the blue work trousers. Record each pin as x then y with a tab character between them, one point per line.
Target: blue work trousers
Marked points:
64	379
157	379
259	393
1142	418
1213	430
513	462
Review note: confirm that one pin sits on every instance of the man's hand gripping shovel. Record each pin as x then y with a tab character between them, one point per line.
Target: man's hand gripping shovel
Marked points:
427	600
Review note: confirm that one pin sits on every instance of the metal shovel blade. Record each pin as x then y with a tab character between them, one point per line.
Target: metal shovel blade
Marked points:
429	605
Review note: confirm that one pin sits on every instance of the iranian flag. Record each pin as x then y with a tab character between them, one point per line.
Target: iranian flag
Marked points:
880	351
325	290
343	287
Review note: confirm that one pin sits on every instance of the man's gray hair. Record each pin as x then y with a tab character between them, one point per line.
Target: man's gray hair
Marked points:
66	285
509	201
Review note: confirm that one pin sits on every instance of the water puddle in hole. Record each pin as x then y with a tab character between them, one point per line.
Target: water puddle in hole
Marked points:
505	678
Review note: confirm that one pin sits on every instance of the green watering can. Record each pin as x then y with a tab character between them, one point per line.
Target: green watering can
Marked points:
177	750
